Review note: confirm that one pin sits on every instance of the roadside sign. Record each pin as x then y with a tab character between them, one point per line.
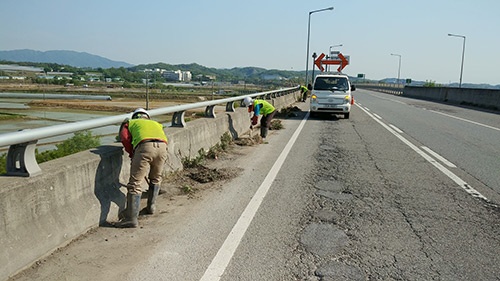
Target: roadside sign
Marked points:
341	60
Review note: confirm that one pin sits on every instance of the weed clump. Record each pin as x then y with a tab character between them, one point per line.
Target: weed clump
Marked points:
212	153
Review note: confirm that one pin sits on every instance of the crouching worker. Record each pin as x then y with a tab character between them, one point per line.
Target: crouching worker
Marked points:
304	92
146	143
260	108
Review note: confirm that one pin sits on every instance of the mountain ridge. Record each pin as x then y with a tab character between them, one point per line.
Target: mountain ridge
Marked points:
84	59
65	57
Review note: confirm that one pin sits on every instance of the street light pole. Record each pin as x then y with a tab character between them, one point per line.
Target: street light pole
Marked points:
463	55
330	50
330	53
309	34
147	86
399	68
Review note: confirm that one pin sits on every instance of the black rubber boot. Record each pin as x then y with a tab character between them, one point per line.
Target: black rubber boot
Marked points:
154	190
131	212
263	132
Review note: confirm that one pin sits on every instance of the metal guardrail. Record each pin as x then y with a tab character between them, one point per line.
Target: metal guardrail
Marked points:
395	89
21	159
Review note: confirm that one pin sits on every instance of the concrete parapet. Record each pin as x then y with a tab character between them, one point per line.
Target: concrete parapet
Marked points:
484	98
84	190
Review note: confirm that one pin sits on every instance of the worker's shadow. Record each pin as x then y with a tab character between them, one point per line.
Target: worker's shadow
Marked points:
107	181
232	130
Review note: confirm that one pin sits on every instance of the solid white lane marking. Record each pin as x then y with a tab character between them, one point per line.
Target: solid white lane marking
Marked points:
431	160
466	120
396	128
438	157
226	252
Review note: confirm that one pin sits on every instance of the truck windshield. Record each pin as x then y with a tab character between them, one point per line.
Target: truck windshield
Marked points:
331	83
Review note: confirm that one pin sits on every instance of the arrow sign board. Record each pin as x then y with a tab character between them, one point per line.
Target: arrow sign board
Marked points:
318	62
344	63
342	60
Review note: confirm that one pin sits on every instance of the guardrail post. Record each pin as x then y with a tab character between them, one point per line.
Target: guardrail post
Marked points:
21	160
210	111
230	106
178	119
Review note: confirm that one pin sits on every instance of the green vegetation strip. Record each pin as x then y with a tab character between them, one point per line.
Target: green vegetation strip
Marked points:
10	116
81	141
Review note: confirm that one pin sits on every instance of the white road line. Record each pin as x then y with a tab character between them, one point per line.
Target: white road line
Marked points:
396	128
431	160
377	116
466	120
438	157
226	252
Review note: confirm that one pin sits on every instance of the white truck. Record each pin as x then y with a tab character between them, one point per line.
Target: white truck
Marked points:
331	94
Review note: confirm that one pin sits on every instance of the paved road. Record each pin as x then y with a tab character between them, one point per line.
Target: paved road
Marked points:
326	199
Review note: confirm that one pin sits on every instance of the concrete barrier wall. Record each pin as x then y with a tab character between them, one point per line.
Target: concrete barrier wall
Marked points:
81	191
484	98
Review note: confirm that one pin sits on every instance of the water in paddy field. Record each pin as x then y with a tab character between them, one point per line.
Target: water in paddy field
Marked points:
49	117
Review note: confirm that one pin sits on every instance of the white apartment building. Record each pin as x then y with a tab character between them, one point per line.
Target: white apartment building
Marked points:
177	75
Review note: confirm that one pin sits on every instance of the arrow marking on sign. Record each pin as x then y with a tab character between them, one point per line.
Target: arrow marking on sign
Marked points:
317	62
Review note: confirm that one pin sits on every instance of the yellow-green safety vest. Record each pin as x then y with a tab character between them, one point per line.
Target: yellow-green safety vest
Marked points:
142	129
266	109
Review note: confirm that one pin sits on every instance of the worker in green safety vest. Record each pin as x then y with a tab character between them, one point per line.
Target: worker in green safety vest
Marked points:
260	108
146	143
305	91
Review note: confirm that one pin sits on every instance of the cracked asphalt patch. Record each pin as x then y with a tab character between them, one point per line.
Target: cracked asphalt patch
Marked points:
324	239
380	212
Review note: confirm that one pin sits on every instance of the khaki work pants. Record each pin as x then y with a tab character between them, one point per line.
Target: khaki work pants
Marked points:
149	159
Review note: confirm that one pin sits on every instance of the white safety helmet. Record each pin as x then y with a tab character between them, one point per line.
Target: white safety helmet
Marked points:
139	113
247	101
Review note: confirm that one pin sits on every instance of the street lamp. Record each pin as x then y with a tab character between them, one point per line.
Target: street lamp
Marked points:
399	68
309	34
331	47
330	53
463	54
147	86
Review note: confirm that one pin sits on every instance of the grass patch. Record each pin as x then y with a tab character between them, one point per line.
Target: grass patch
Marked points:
276	124
10	116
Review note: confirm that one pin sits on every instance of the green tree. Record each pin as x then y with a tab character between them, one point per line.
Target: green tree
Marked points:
81	141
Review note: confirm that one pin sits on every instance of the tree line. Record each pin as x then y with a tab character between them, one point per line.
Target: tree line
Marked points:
137	74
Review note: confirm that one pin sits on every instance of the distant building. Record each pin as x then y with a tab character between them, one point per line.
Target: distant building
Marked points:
186	76
177	75
271	77
203	78
65	74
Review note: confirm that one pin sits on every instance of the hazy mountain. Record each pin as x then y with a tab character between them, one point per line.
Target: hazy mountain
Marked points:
72	58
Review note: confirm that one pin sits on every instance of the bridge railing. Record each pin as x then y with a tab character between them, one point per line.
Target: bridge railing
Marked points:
21	159
395	89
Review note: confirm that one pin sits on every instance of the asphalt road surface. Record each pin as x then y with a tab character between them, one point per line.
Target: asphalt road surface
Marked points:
403	190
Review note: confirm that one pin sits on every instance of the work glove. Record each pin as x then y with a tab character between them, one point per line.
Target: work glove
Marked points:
254	120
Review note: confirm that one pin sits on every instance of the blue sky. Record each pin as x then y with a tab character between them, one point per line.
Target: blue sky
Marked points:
270	34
